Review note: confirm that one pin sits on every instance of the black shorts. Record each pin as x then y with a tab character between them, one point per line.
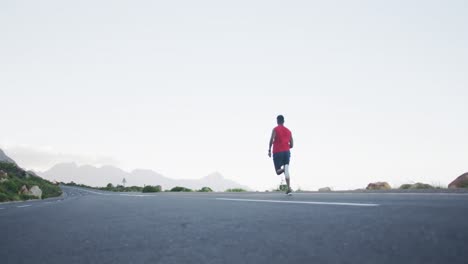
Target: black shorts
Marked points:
281	159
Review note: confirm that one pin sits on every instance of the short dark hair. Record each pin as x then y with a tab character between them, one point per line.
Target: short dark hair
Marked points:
280	119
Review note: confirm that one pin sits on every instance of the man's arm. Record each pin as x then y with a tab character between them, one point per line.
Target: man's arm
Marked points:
272	138
291	143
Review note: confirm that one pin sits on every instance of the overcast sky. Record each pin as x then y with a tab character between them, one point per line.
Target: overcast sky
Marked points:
372	90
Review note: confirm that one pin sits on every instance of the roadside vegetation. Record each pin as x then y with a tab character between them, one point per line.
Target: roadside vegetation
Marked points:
236	190
205	189
13	178
281	188
109	187
416	186
180	189
146	189
73	184
152	189
121	188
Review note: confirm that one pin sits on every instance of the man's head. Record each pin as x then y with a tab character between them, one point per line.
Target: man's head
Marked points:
280	119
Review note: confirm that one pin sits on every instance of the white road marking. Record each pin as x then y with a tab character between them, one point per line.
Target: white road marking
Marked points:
394	193
90	191
134	195
298	202
22	206
100	193
2	208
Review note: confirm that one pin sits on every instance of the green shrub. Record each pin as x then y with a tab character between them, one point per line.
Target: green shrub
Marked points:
205	189
27	197
11	186
283	187
50	190
236	190
136	188
405	186
4	197
12	169
151	189
417	185
180	189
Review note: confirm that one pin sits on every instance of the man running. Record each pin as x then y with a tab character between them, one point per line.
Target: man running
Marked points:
282	141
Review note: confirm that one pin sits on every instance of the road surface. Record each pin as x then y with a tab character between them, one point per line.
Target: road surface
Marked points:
87	226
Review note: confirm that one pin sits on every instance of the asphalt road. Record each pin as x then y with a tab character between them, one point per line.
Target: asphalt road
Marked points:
100	227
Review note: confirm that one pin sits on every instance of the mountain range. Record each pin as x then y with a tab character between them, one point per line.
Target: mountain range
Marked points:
101	176
5	158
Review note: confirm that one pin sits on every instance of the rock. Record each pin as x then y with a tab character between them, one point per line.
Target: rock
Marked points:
36	191
3	176
23	190
378	186
460	182
325	189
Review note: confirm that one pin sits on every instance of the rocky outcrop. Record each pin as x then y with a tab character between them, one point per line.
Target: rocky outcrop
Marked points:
34	191
23	190
378	186
460	182
325	189
17	187
3	176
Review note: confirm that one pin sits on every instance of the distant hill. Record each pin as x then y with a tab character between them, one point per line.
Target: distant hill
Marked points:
5	158
17	184
101	176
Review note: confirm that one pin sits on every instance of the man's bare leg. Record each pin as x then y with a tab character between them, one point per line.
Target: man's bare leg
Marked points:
286	175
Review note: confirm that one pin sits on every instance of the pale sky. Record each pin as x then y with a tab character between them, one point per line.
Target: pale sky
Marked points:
372	90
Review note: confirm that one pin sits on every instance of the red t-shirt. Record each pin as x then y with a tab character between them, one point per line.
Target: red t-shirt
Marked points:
282	138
